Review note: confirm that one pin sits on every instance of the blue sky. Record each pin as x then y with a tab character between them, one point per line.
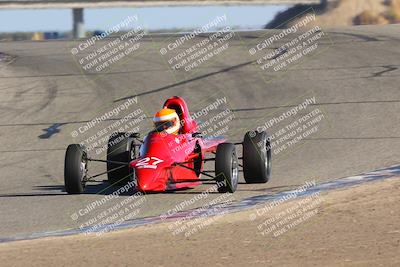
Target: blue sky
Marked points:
253	17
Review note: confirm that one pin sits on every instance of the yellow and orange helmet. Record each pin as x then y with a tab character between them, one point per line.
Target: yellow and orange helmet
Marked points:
167	120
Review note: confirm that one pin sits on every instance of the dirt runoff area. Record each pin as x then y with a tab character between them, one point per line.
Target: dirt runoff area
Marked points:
357	226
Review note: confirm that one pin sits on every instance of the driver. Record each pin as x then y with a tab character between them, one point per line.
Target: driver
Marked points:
167	120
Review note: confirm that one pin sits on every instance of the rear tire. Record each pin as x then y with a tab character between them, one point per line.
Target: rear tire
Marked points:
121	147
257	157
75	168
226	168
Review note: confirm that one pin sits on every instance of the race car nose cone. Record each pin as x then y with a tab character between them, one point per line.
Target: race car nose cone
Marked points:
150	181
153	187
152	173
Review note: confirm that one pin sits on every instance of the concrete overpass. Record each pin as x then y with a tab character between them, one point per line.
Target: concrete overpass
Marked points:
78	6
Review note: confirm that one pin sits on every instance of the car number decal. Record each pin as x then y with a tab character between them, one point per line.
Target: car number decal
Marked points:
148	163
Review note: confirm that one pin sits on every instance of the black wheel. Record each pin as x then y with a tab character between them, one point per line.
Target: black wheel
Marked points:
121	148
75	169
226	168
257	157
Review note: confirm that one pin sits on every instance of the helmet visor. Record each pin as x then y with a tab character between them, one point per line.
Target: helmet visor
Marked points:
163	125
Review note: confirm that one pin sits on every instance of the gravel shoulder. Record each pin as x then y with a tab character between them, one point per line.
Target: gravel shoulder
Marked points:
356	226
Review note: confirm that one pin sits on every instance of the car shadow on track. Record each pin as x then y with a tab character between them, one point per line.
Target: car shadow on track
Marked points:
104	188
100	188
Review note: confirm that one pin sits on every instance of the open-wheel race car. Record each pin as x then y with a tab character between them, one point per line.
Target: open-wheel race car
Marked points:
172	157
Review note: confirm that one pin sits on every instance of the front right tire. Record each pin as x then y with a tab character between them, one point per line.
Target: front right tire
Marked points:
257	157
226	168
75	169
121	147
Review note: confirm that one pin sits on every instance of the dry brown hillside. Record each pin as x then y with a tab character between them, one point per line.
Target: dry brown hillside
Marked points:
344	13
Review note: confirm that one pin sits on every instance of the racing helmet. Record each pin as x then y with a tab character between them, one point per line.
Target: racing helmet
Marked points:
167	120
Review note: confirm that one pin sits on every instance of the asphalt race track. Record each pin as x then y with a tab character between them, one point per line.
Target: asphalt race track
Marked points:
45	95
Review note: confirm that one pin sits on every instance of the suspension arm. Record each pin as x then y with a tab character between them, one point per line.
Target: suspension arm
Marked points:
109	161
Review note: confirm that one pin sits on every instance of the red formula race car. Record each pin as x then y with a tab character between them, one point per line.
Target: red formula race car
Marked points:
165	161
